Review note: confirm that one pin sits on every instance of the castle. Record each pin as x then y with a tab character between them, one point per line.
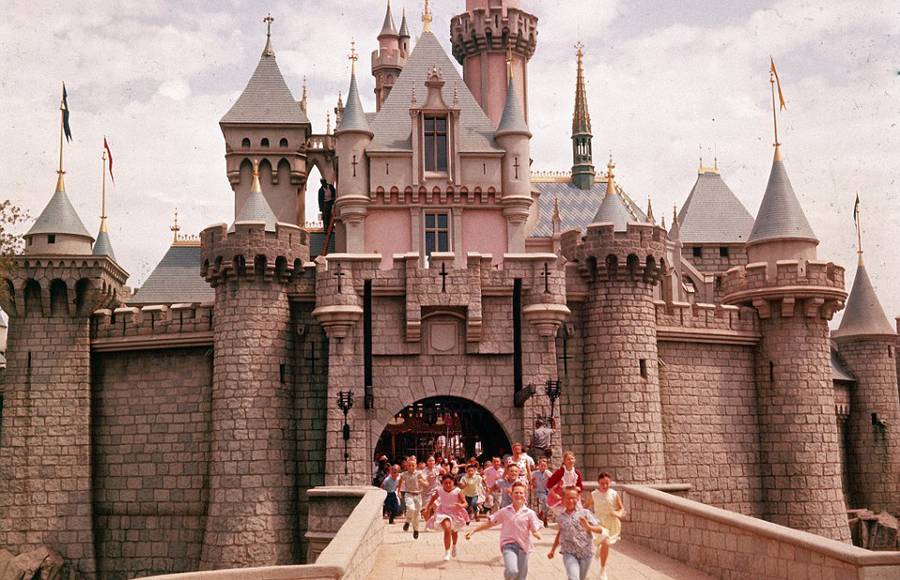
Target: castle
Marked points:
178	428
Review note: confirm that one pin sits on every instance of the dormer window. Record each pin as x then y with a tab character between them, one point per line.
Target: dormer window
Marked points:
436	143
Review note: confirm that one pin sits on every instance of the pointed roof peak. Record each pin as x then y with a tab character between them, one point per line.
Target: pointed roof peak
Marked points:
103	245
268	51
404	27
581	118
780	214
353	118
713	213
613	209
59	216
864	314
513	119
256	208
426	18
388	28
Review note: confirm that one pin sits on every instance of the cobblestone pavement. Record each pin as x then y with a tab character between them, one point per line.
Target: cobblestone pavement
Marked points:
402	558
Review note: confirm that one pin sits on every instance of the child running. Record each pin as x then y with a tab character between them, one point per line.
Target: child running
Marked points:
540	476
451	513
505	485
412	483
565	476
519	524
609	510
392	501
492	474
471	483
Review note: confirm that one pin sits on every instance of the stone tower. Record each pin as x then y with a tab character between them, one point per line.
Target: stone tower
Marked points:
351	138
867	343
388	61
252	480
582	153
489	37
45	454
795	297
622	262
267	124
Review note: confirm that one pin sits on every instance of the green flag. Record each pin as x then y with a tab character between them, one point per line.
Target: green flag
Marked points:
65	110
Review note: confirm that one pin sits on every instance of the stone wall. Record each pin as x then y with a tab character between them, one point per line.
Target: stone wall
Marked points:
150	430
710	424
736	547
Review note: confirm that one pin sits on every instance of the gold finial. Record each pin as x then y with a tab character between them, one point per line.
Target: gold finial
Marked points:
268	20
509	61
426	18
579	50
254	185
353	56
304	99
175	228
674	214
610	176
328	122
858	222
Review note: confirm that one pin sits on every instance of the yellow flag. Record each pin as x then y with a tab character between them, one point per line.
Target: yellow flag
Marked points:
774	72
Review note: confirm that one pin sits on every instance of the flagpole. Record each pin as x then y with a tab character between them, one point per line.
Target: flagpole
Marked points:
103	195
774	110
60	184
859	249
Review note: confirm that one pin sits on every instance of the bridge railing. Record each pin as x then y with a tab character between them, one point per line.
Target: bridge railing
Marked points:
729	545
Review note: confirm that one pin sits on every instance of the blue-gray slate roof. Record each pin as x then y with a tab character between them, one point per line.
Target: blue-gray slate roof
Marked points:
175	280
513	119
354	118
864	314
780	214
577	207
59	217
713	213
103	246
256	209
393	126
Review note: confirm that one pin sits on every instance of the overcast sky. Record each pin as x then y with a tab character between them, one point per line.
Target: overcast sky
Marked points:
664	78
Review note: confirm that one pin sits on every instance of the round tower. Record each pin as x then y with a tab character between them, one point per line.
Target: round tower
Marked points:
351	138
487	36
867	342
515	138
622	261
795	297
252	498
388	61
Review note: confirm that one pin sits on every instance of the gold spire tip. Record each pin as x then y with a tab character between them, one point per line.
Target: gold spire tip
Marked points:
427	17
268	20
255	187
353	56
175	228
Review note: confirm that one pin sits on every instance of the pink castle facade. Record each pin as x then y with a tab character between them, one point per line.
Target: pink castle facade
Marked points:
191	417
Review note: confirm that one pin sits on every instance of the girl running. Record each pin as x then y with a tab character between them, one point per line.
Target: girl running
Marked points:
609	510
451	513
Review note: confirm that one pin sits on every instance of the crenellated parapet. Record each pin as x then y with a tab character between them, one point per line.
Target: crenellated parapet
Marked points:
817	287
493	29
63	285
715	323
637	254
248	250
162	326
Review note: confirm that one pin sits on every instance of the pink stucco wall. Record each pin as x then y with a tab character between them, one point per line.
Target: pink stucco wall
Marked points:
484	232
388	233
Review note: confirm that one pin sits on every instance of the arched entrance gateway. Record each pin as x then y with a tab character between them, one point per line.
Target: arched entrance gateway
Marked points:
451	426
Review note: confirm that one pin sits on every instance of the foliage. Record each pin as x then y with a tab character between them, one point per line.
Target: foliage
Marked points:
11	243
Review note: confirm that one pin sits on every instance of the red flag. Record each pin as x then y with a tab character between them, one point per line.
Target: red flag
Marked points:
109	154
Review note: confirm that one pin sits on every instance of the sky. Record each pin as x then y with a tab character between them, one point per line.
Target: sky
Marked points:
666	80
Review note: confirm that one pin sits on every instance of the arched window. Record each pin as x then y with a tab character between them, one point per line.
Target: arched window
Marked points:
246	142
264	142
283	142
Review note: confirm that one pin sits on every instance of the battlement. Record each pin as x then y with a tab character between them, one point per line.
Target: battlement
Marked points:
128	328
249	250
388	58
490	29
706	322
818	285
421	194
604	253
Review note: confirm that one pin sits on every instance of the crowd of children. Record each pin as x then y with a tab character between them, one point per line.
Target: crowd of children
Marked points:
448	494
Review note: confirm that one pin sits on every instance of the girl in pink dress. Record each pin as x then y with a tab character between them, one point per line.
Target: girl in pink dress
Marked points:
451	514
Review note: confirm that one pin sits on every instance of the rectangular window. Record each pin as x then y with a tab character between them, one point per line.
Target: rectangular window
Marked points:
30	241
643	366
698	252
437	233
724	252
436	144
51	238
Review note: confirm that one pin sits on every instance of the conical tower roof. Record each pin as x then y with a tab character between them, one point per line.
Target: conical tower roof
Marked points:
103	246
266	98
59	217
780	214
256	208
864	314
404	27
713	213
354	117
612	209
388	28
513	119
581	118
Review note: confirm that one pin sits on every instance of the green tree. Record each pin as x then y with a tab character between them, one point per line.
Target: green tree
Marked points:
11	243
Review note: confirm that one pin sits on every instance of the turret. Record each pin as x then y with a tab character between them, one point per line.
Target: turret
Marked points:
58	230
795	297
268	124
352	137
867	344
515	138
582	150
489	37
621	261
404	36
390	58
251	520
103	246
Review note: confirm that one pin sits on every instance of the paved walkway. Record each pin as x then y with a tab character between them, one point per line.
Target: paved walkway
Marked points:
402	558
